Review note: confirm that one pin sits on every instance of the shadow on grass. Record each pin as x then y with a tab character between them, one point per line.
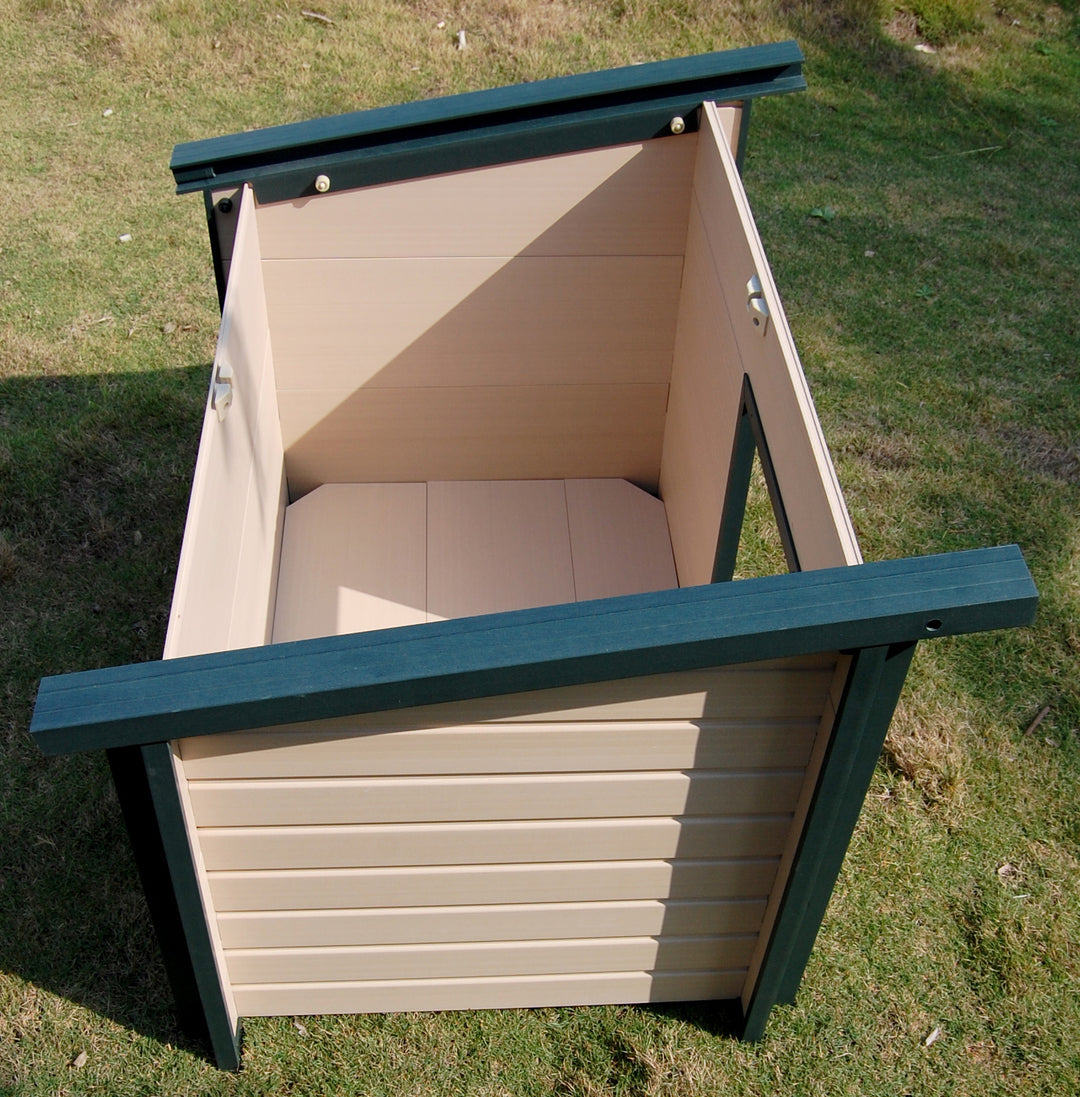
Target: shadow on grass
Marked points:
94	478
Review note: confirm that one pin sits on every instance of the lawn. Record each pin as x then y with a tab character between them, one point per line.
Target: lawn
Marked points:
920	208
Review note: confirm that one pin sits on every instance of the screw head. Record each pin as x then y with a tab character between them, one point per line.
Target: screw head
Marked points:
322	183
677	124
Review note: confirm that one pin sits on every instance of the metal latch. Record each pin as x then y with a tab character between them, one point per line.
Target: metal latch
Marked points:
756	306
221	391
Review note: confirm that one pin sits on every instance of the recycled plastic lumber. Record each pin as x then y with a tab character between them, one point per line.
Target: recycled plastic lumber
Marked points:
875	604
544	118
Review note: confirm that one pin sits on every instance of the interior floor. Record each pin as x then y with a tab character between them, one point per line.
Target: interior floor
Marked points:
357	557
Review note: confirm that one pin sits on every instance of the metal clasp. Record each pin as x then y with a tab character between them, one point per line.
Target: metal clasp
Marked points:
756	306
221	391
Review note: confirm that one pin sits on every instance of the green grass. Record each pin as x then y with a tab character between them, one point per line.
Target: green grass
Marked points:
945	371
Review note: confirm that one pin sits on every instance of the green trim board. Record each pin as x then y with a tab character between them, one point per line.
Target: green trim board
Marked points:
749	438
224	1036
545	118
890	602
871	692
137	805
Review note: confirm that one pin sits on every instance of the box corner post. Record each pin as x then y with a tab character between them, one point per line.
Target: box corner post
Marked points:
870	695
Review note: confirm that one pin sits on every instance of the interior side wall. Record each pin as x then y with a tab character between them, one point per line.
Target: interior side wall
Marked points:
613	842
717	343
224	593
512	322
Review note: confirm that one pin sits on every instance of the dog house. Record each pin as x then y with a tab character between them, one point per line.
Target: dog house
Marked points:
459	707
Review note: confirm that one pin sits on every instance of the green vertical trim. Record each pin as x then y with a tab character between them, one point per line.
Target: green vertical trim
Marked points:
137	805
161	779
749	436
870	695
743	449
744	133
215	248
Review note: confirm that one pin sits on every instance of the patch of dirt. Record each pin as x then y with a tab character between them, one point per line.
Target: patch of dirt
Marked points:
1038	451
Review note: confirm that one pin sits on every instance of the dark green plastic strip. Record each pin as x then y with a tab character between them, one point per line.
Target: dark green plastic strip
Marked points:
749	439
870	695
895	601
544	118
136	803
161	779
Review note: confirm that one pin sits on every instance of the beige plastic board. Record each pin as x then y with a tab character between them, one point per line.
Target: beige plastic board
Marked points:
223	597
325	800
495	992
506	922
716	344
472	958
353	557
320	889
343	324
367	556
618	539
346	748
706	382
497	545
387	845
378	435
620	200
818	518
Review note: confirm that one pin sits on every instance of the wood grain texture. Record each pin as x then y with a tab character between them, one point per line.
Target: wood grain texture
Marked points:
298	801
573	882
493	992
618	539
506	922
345	324
706	380
351	748
223	597
497	545
487	958
621	200
353	557
515	842
815	508
540	432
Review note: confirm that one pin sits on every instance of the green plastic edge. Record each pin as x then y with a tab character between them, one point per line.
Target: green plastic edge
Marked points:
543	118
863	605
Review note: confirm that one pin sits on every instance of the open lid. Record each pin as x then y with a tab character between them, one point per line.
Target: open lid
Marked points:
545	118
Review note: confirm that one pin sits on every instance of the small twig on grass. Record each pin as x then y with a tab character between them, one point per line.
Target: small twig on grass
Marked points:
317	16
968	152
1038	719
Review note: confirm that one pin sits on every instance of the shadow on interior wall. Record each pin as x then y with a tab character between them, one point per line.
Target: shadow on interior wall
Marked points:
93	507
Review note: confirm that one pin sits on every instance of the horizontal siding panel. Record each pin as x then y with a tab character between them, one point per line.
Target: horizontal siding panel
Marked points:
584	881
273	999
620	200
378	845
541	432
422	961
508	922
341	749
437	323
279	802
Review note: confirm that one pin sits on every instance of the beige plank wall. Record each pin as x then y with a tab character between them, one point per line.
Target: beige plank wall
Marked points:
227	574
512	322
716	343
610	842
